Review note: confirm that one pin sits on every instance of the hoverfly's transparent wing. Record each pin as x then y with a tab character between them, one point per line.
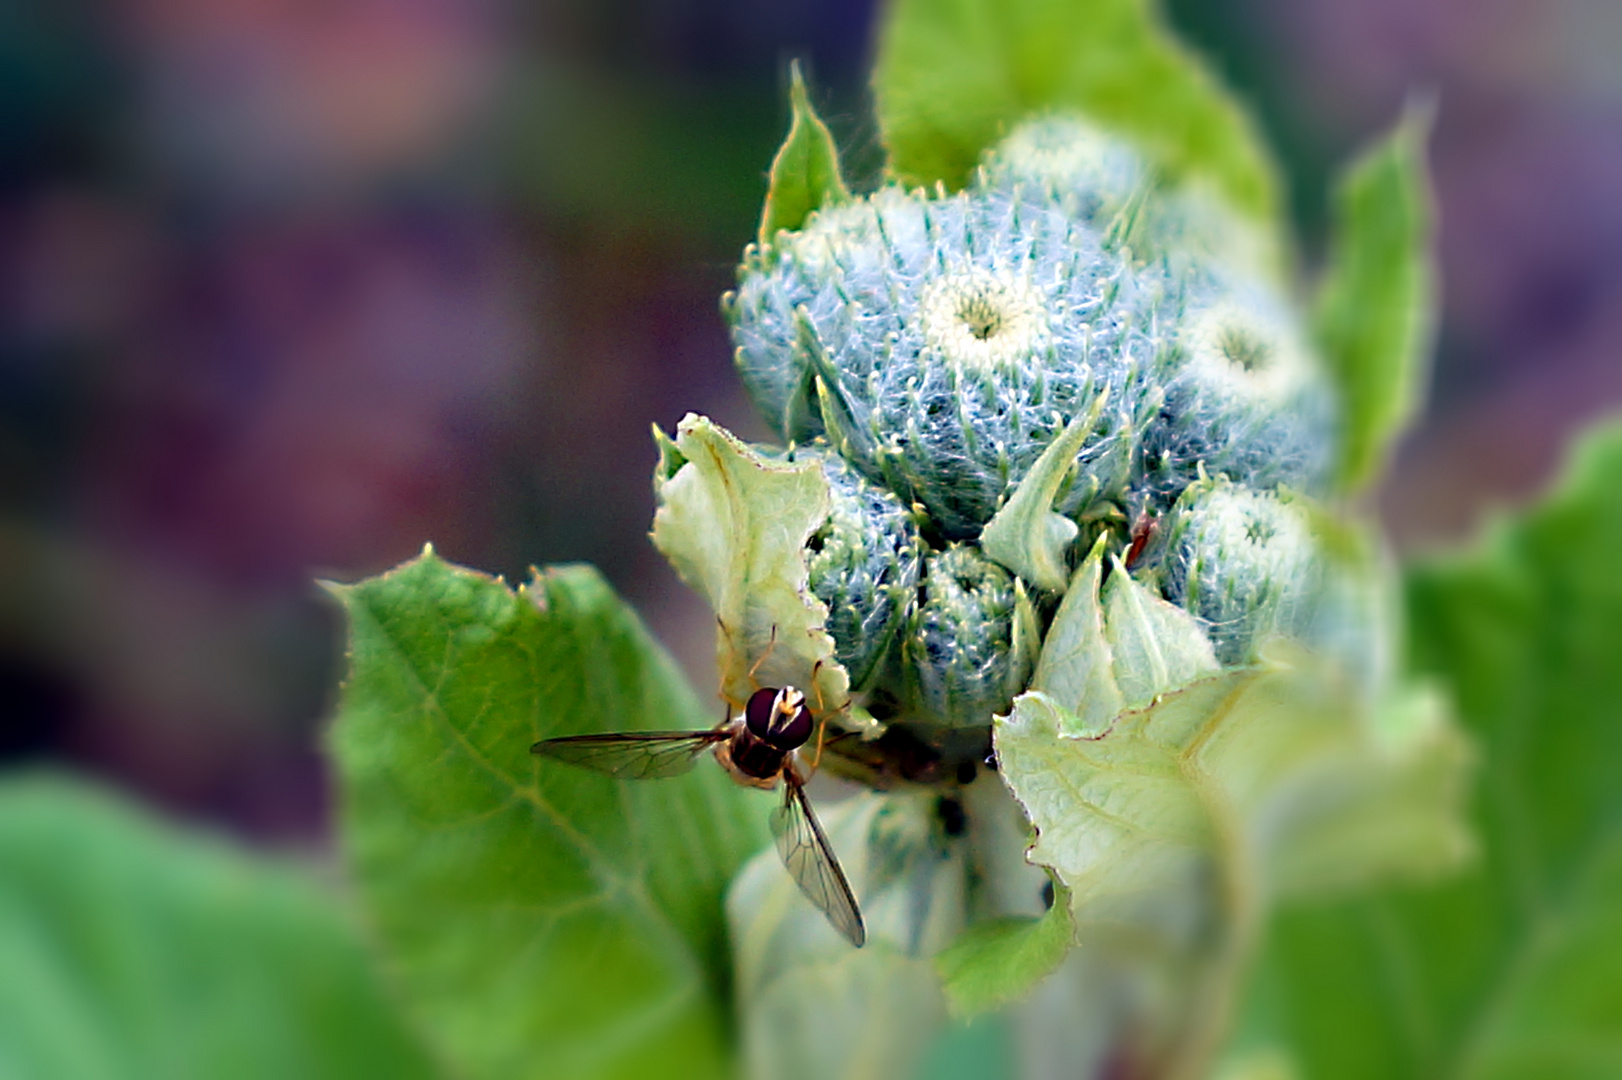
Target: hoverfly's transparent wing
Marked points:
632	755
810	861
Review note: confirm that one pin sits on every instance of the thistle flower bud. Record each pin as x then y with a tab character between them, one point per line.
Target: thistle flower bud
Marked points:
1066	161
1245	562
1243	394
864	563
942	342
964	654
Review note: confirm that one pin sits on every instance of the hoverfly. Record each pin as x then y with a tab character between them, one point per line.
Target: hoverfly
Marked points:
757	749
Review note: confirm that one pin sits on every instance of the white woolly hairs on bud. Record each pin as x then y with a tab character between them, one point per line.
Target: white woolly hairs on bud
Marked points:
1246	563
940	342
864	564
1062	159
959	648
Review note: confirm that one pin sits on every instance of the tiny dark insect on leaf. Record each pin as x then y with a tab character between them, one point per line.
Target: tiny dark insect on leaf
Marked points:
1143	530
757	749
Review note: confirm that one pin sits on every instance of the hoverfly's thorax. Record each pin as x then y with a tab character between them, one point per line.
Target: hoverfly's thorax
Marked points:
750	761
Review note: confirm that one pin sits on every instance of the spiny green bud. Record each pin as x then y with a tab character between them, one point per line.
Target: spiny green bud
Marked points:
1101	178
864	563
1244	396
965	652
1088	173
942	342
1245	562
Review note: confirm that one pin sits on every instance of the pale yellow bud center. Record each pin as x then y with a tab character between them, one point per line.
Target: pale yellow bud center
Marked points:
983	319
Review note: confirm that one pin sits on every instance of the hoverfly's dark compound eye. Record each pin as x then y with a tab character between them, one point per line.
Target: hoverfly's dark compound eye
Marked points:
779	717
795	729
757	714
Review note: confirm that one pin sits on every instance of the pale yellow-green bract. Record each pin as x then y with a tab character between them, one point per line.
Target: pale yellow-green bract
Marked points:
734	525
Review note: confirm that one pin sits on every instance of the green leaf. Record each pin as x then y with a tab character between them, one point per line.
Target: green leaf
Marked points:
1376	310
953	77
543	920
1076	669
1267	1063
805	173
1026	535
1114	648
734	524
997	962
1155	645
1511	970
1194	812
131	949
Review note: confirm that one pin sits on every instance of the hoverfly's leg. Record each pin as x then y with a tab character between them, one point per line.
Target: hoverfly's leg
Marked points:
822	731
732	707
823	712
815	688
770	645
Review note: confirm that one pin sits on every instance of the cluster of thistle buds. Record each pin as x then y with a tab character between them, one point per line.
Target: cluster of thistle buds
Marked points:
928	348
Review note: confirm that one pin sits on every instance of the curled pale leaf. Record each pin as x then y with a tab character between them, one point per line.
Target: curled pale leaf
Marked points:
1393	817
1176	826
1076	668
735	524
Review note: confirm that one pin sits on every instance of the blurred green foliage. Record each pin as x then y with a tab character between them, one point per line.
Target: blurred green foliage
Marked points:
131	950
1376	308
628	154
954	76
1514	968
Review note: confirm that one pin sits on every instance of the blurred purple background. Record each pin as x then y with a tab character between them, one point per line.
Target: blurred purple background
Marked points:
289	288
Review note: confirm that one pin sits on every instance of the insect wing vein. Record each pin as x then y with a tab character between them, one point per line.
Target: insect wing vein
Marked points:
811	863
631	755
